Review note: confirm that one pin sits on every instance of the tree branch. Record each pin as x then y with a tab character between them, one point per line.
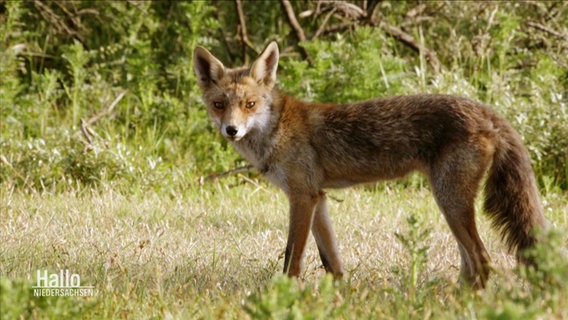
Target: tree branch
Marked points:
86	129
106	111
408	40
300	35
85	132
243	28
215	176
293	21
339	27
540	27
321	29
357	16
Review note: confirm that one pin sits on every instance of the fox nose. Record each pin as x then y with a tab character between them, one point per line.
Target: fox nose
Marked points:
231	131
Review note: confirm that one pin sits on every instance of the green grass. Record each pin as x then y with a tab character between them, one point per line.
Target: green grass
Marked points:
216	252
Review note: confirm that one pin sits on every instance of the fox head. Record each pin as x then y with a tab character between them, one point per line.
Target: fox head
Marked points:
238	100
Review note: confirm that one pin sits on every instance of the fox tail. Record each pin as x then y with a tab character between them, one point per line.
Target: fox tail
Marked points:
511	195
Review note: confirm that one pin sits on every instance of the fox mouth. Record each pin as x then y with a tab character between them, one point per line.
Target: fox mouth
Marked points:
233	138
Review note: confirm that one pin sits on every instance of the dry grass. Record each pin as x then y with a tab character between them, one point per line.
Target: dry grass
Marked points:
203	253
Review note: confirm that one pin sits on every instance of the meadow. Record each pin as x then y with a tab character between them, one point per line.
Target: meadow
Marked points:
110	169
216	252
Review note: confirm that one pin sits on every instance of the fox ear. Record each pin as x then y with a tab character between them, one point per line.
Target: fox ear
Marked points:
263	70
209	70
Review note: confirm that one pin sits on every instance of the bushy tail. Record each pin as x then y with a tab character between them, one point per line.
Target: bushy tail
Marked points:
511	195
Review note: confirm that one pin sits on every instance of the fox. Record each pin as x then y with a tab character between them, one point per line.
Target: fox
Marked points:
305	148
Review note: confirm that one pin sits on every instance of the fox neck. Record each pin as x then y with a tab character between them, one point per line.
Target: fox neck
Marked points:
257	146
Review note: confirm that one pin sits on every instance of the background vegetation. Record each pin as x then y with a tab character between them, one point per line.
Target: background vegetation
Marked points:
64	64
103	134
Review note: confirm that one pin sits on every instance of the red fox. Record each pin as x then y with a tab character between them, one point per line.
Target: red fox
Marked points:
305	147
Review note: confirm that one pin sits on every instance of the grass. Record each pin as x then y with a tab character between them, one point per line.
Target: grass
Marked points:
215	251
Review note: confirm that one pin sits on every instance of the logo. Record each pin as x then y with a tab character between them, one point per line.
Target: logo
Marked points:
62	284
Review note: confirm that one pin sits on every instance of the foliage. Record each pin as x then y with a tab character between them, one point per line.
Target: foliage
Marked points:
330	79
70	64
418	255
285	298
76	75
545	284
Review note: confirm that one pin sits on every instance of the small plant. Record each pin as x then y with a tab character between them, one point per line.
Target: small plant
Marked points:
287	298
549	274
77	58
539	292
413	242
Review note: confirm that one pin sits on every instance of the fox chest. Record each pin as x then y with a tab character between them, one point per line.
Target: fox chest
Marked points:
259	155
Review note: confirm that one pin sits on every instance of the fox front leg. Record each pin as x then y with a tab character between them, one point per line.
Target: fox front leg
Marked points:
302	208
325	238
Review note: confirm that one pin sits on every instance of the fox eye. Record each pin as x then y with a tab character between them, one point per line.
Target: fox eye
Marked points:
250	104
218	105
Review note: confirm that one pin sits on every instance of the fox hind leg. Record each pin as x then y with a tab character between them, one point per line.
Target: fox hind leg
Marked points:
461	219
455	181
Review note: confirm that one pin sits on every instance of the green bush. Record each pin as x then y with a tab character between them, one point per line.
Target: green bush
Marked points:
373	70
66	62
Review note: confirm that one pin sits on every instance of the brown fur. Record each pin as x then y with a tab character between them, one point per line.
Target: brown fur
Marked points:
306	147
